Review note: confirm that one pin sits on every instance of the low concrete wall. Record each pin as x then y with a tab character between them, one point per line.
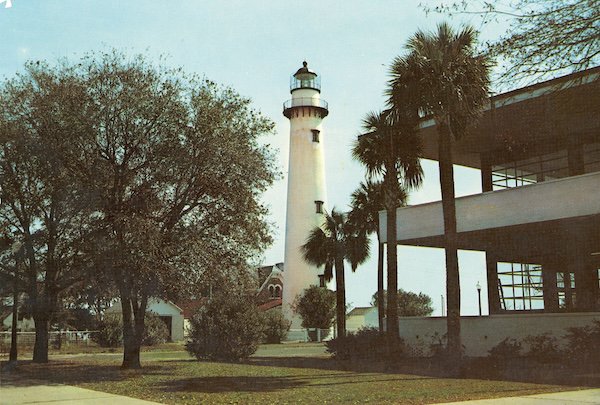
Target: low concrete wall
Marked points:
480	334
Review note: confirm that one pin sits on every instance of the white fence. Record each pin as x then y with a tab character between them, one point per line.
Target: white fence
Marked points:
56	339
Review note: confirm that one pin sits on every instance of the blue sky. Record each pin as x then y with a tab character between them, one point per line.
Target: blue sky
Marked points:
254	46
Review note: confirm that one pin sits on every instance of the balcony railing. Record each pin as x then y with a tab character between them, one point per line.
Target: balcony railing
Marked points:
313	83
305	102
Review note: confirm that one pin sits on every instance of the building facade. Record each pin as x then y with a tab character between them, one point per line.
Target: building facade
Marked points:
538	216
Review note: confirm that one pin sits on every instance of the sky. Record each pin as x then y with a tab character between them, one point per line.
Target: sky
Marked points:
254	46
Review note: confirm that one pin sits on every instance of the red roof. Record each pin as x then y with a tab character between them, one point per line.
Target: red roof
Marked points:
270	304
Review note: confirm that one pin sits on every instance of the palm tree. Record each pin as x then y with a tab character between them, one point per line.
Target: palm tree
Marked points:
367	201
330	245
390	149
448	81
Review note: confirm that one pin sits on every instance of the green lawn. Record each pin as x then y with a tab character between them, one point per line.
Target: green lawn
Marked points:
277	374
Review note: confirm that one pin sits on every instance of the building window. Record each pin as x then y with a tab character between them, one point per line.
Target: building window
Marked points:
565	286
319	206
315	133
321	280
277	291
271	291
520	286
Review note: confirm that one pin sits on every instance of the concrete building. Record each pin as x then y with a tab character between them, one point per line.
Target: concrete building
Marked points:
306	186
538	217
362	317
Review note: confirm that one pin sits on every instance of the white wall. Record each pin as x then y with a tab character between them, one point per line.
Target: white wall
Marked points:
480	334
550	200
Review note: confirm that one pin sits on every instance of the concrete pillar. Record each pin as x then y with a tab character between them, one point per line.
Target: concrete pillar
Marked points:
493	294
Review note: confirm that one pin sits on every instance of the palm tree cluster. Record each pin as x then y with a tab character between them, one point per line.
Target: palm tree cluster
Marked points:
441	77
336	241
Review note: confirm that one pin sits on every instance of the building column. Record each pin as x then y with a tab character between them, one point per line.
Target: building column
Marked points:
586	277
491	262
486	174
550	266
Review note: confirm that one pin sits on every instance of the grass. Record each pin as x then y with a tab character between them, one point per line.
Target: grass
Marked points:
277	374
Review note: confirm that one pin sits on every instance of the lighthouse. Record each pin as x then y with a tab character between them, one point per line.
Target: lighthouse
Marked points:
306	194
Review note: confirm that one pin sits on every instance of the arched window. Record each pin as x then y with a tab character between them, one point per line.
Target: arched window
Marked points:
277	291
271	290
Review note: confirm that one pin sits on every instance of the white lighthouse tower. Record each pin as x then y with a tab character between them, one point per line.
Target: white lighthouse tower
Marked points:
306	186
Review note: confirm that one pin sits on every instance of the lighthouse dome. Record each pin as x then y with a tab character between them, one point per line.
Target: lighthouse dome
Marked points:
304	72
304	78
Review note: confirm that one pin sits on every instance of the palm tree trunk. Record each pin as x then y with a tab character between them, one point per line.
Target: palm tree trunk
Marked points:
392	258
380	286
340	293
452	273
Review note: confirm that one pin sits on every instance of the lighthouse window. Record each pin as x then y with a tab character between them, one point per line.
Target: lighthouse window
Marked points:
315	133
319	207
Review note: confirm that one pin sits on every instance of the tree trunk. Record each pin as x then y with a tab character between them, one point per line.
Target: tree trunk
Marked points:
393	330
40	348
340	292
452	273
131	346
380	286
15	318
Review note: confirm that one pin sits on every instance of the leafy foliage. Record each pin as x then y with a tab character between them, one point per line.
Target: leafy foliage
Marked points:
229	327
366	343
317	307
410	304
582	347
155	330
110	332
135	171
276	326
543	348
508	348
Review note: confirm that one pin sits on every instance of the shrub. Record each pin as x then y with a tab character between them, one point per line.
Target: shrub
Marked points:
276	326
365	343
110	332
582	347
316	307
155	330
507	349
230	327
543	348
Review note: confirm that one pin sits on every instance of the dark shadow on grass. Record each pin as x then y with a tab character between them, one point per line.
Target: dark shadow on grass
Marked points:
429	367
27	373
212	385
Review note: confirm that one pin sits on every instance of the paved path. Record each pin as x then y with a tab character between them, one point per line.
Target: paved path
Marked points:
557	398
13	392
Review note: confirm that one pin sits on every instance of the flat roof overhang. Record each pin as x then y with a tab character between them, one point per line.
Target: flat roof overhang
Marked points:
541	118
530	220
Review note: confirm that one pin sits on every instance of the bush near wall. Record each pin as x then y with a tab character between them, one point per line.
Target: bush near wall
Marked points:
580	351
366	343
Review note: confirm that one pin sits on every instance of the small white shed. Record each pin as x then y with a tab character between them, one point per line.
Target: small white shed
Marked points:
168	312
